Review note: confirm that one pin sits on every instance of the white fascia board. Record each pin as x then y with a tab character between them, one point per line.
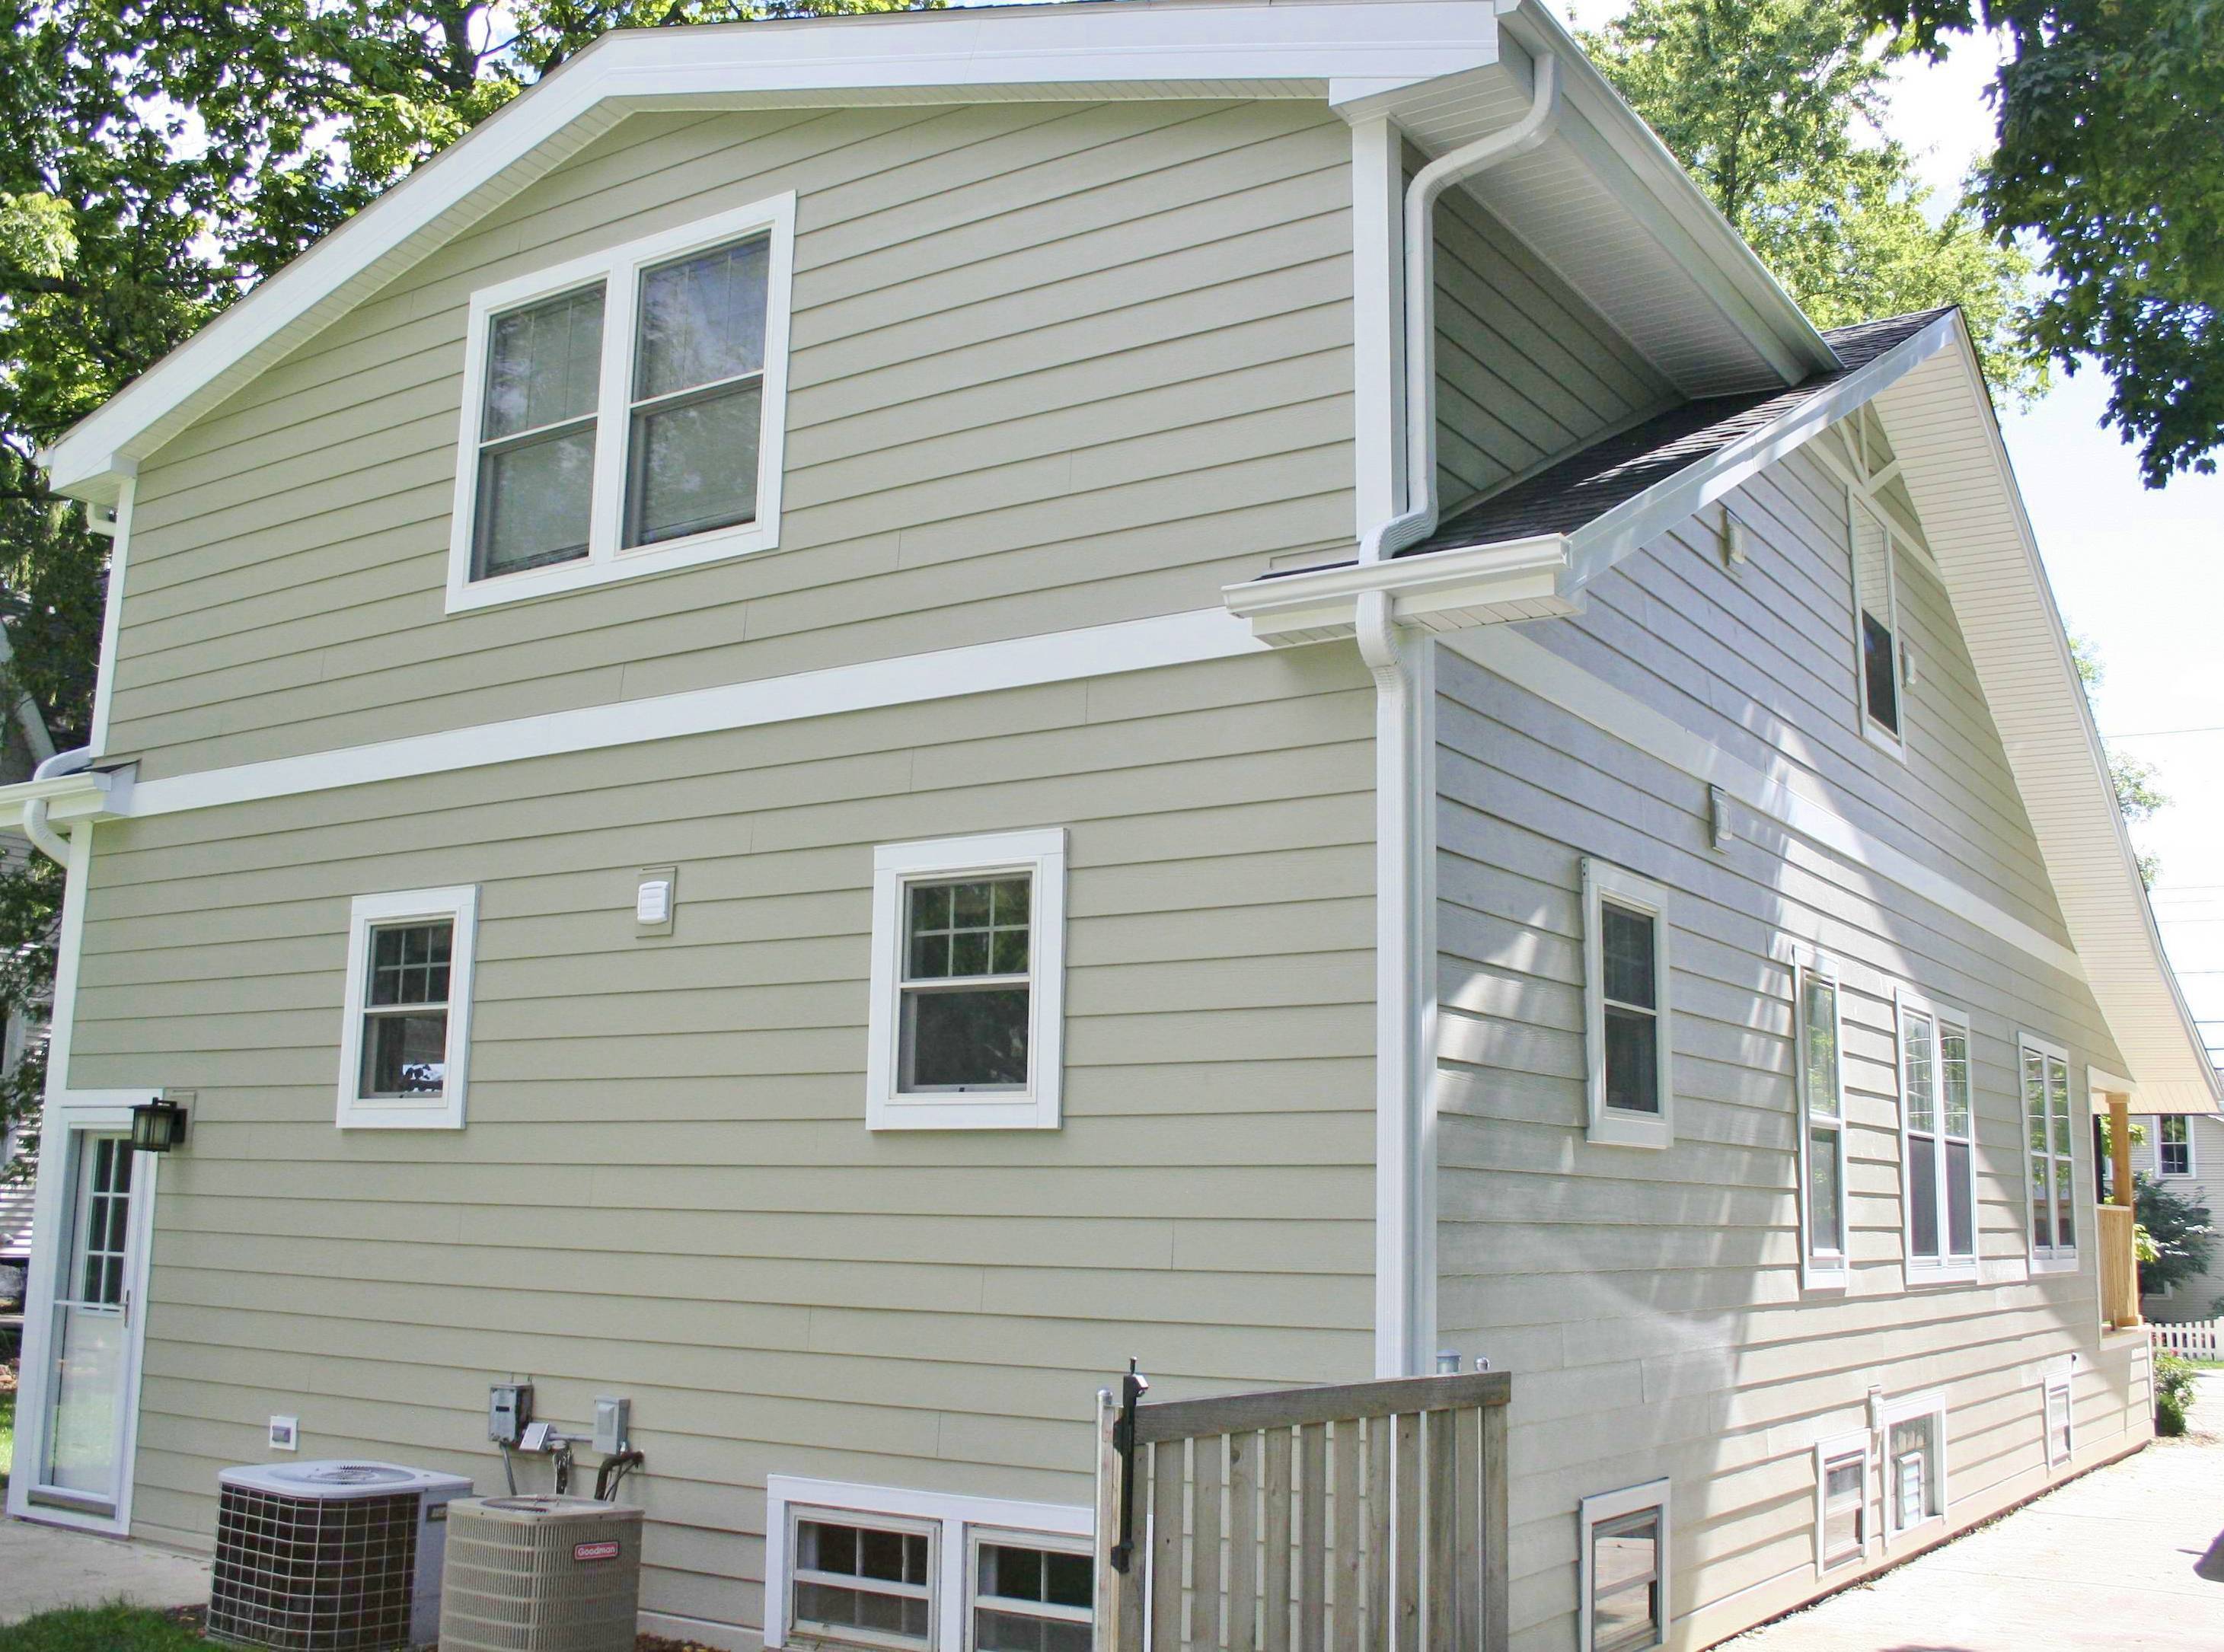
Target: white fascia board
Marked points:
1067	51
1441	590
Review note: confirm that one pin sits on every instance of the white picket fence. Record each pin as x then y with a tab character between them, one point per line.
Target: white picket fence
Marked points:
2194	1339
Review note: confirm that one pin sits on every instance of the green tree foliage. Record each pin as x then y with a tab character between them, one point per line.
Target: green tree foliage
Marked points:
2183	1231
2110	126
157	159
1776	106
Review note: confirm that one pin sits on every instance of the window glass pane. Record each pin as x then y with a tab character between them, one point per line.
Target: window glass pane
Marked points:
1844	1513
693	466
2042	1206
2057	1087
409	963
544	365
1912	1457
1633	1063
2177	1148
1879	684
405	1053
1628	941
1000	1631
974	928
1823	1215
703	319
1917	1077
973	1038
532	504
1821	1052
858	1609
1873	599
1960	1217
2065	1223
891	1598
1922	1193
1625	1573
1954	1079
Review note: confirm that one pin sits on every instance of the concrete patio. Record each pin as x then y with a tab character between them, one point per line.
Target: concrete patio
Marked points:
43	1566
2130	1556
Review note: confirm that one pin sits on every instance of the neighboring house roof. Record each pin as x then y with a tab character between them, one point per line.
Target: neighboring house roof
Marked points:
1603	202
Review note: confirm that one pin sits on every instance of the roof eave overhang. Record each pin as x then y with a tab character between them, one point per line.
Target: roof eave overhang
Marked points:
88	795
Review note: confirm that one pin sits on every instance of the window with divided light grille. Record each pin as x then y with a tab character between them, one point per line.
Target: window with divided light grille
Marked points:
2174	1144
2049	1165
1938	1144
858	1584
1030	1598
405	1035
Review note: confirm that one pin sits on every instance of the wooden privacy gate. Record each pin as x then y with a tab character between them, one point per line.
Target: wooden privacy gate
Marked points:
1369	1516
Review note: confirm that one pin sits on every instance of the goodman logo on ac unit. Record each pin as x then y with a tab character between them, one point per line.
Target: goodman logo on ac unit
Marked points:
605	1549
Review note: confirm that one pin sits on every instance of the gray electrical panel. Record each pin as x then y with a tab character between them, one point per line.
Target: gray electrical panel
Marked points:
509	1407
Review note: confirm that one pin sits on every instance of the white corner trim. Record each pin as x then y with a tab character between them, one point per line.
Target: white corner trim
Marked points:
619	270
1530	664
1041	856
954	1513
1378	187
111	617
460	905
1620	1127
982	668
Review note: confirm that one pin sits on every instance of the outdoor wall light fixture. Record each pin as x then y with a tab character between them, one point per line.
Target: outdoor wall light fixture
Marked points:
157	1125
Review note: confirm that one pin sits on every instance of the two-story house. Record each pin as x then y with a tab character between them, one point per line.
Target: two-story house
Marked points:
857	716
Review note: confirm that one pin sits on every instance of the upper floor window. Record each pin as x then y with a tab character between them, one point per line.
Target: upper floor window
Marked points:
623	413
2174	1144
1625	1008
1938	1122
405	1038
2049	1165
1876	623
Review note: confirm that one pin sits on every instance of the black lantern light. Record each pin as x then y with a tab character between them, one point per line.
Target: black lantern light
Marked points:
158	1125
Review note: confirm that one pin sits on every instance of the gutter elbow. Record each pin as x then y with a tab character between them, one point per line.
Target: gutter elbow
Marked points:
43	836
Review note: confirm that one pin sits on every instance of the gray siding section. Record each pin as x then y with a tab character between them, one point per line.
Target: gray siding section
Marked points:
1526	371
666	1188
1052	365
1649	1303
2202	1298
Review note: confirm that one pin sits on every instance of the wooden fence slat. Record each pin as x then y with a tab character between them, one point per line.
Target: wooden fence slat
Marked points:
1313	1538
1234	1413
1407	1557
1276	1598
1167	1484
1205	1542
1442	1499
1496	1584
1242	1540
1344	1523
1467	1539
1379	1455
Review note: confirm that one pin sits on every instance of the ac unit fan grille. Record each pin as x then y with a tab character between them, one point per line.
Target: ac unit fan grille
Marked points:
309	1575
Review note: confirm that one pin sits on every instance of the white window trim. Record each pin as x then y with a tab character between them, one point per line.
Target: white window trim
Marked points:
620	269
1594	1511
957	1518
1931	1403
1946	1269
1040	853
1859	1447
2057	1257
1894	744
1620	1127
1820	1273
443	1111
2058	1383
2192	1161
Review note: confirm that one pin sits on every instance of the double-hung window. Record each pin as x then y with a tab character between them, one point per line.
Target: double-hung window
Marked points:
1842	1502
2049	1167
1937	1126
1876	625
405	1036
1818	1031
967	983
623	413
1623	1563
2174	1144
1627	1033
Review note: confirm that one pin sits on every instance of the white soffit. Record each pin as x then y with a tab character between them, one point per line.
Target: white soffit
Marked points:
1956	470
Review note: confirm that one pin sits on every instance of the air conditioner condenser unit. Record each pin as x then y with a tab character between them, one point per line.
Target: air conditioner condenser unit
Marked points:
540	1574
329	1556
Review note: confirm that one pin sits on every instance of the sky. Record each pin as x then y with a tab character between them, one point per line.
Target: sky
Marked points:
2111	548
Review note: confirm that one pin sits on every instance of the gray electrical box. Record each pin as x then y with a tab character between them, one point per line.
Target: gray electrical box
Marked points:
613	1426
509	1407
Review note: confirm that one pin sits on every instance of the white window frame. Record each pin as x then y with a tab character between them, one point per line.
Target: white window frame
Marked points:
1829	1453
459	905
1040	853
2057	1258
620	269
2163	1122
1913	1407
1596	1511
1892	742
955	1518
2058	1384
1602	882
1829	1269
1946	1268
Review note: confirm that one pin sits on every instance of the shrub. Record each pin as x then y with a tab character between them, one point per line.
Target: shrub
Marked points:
2173	1387
2181	1233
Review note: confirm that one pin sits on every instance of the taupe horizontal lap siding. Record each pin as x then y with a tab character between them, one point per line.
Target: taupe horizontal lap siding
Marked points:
1053	366
667	1189
1649	1303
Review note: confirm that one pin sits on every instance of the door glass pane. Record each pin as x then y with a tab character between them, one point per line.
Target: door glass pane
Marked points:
90	1331
1923	1192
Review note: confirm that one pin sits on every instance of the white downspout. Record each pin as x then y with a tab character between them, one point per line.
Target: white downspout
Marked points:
1404	668
48	842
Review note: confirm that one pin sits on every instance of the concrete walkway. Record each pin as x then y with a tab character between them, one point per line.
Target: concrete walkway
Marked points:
2128	1559
45	1567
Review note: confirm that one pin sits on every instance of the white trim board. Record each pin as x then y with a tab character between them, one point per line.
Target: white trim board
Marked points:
982	668
1531	665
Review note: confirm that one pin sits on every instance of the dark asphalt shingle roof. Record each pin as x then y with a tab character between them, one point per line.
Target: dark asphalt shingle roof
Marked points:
1586	485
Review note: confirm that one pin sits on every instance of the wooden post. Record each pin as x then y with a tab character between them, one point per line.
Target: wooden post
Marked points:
2120	1147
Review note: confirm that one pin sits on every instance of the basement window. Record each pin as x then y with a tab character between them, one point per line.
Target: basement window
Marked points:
406	1034
1624	1563
1842	1502
1914	1462
1626	1010
1819	1028
967	987
2060	1420
623	413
